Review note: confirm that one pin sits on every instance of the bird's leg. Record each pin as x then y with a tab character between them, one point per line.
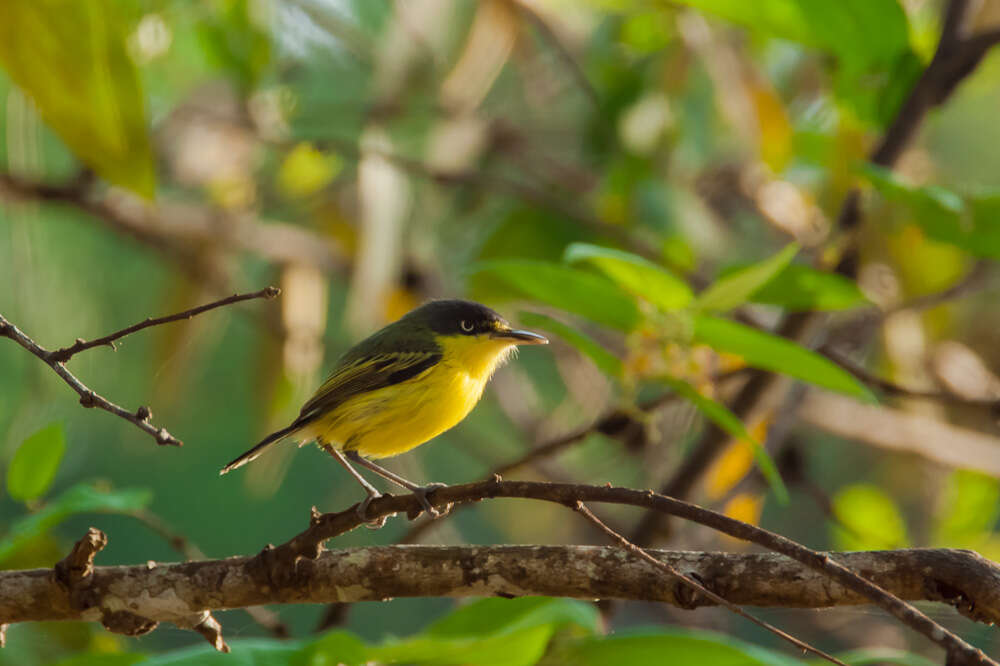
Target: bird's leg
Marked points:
420	491
371	490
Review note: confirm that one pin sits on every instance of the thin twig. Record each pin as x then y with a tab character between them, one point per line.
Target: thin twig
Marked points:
90	398
64	354
581	508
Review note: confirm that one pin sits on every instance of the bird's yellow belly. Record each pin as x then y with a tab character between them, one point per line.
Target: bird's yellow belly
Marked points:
397	418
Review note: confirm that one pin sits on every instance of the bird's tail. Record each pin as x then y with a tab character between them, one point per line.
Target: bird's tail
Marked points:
259	449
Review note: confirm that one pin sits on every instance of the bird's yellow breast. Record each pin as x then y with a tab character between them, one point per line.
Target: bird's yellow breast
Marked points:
394	419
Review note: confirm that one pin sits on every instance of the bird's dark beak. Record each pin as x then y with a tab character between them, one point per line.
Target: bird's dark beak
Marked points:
521	337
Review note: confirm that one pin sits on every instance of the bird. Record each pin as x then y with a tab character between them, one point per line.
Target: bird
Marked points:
401	387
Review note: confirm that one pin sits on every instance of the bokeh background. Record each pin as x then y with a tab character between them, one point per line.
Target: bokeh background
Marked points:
366	155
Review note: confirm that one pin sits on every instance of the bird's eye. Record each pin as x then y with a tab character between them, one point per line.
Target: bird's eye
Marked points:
466	325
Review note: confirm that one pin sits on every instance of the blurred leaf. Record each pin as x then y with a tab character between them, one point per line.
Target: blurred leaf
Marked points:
872	519
720	415
605	361
336	647
35	463
650	647
639	276
943	214
773	352
81	498
745	507
799	287
500	632
869	38
250	652
570	289
970	506
877	657
736	289
231	36
70	58
306	171
103	659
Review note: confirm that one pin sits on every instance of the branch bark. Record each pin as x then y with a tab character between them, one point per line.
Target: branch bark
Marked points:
174	592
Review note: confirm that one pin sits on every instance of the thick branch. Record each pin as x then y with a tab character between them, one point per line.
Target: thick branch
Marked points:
173	592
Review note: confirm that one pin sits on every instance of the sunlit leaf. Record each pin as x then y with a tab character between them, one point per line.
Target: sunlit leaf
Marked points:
870	519
606	362
800	287
70	57
969	508
245	652
641	648
488	616
736	288
773	352
720	415
35	463
81	498
877	657
637	275
588	295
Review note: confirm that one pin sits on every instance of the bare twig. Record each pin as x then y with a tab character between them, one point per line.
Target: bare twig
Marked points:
64	354
89	398
698	587
308	544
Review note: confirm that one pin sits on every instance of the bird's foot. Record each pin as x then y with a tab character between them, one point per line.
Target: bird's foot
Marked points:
363	512
423	491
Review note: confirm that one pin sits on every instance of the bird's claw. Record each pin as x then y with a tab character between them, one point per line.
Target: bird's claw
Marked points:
421	493
363	513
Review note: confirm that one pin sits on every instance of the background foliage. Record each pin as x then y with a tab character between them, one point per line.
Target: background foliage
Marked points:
651	184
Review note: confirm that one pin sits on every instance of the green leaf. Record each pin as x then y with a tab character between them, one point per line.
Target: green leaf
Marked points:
637	275
570	289
772	352
103	659
870	40
70	57
736	289
605	361
81	498
335	647
249	652
800	287
877	657
35	463
492	632
970	506
642	647
944	215
730	423
871	518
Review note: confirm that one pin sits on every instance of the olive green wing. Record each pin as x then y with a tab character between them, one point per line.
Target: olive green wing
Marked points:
365	374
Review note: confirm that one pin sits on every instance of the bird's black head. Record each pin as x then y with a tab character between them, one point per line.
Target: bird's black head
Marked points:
457	317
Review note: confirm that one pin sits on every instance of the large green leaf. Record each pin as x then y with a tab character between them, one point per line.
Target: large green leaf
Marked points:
570	289
800	287
870	40
606	362
730	423
103	659
877	657
70	57
250	652
81	498
972	225
639	276
772	352
969	508
644	647
493	616
736	288
34	465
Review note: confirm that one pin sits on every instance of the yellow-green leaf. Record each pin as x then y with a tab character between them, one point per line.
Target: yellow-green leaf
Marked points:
736	289
70	58
35	463
639	276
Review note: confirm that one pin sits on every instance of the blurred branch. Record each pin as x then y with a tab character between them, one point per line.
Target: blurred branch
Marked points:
272	563
949	66
57	358
697	586
299	572
181	230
